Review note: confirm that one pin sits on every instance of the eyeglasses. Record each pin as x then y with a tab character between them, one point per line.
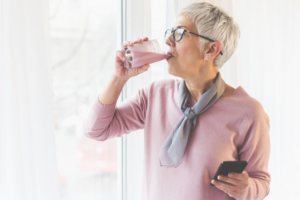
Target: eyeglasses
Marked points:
179	32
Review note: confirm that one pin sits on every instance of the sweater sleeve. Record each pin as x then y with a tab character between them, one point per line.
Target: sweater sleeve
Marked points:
256	150
109	121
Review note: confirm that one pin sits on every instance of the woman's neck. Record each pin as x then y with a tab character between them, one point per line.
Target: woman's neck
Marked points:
200	84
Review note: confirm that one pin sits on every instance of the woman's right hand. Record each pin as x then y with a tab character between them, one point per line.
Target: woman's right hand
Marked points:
122	72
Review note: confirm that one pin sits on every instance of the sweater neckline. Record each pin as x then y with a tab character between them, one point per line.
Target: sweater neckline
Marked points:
236	90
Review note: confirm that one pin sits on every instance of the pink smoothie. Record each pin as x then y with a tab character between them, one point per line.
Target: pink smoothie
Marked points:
141	58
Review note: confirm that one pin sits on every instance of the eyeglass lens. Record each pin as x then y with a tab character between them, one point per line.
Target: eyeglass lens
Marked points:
177	33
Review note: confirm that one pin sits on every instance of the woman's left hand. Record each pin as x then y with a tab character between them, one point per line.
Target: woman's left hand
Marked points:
235	185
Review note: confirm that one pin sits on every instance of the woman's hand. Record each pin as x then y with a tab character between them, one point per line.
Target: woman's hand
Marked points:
122	72
235	185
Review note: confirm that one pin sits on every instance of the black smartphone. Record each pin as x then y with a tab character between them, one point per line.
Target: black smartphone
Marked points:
230	166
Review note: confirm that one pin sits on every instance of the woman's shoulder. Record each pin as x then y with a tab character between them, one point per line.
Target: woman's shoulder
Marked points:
164	84
250	105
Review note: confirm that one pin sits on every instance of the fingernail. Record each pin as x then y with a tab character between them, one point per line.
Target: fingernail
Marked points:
219	177
212	182
123	58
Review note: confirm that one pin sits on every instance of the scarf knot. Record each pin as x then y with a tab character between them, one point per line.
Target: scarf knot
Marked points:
189	113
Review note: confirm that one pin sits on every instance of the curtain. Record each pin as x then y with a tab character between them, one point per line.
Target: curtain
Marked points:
265	64
267	69
27	149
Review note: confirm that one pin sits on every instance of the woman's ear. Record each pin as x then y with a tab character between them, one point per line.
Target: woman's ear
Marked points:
214	49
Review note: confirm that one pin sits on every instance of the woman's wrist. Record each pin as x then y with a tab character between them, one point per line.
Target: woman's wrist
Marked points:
119	80
112	91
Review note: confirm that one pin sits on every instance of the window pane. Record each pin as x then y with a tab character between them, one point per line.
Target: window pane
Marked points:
83	44
159	70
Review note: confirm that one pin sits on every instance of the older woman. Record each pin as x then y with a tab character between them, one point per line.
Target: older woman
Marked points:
191	125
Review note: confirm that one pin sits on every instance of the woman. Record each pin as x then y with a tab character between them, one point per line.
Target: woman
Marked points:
191	125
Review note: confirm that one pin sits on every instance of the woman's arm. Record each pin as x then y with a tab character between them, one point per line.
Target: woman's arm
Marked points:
256	150
109	121
105	119
112	91
254	182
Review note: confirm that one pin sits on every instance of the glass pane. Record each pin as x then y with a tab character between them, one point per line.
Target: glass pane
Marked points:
159	70
83	44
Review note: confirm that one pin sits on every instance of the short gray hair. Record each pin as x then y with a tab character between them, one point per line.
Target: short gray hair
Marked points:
214	23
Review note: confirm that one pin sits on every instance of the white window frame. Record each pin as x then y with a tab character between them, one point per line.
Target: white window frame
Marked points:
135	23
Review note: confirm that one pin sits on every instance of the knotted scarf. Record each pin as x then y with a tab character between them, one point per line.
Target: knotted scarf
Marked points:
172	151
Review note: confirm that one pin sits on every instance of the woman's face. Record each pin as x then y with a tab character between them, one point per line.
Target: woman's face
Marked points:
188	60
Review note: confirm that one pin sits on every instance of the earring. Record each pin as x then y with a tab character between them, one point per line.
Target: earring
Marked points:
206	57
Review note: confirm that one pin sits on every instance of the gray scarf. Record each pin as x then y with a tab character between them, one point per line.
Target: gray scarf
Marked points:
172	151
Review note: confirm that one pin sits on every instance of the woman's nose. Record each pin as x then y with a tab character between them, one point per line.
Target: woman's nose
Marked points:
169	41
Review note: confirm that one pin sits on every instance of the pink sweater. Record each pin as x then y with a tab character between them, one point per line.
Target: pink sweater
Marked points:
236	127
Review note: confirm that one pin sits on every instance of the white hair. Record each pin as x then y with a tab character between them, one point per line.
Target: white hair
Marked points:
214	23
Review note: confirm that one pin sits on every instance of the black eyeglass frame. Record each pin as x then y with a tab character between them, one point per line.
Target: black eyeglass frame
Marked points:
184	30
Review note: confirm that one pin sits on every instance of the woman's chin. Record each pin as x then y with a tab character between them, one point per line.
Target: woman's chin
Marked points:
171	70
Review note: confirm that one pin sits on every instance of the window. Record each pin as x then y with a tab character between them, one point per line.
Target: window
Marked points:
84	38
147	19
